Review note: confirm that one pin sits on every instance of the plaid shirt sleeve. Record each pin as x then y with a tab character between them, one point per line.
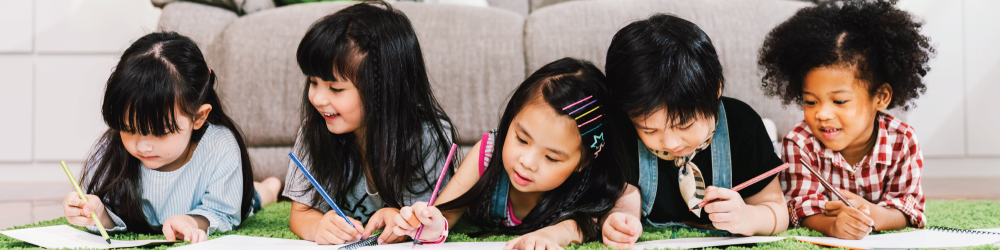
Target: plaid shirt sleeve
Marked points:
902	180
804	194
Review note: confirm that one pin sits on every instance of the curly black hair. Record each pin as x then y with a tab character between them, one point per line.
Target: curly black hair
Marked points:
883	44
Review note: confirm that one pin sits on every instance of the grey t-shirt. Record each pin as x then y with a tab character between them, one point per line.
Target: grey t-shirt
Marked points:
362	203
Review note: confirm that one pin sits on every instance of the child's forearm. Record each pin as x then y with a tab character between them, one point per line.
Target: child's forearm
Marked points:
303	221
888	219
767	218
565	233
203	222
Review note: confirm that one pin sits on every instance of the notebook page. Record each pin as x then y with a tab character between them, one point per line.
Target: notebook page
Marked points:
915	239
63	236
704	242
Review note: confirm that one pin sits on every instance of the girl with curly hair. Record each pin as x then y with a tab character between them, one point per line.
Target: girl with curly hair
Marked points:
844	63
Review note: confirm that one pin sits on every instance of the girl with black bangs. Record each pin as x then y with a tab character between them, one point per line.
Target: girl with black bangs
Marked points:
372	132
172	161
544	181
685	142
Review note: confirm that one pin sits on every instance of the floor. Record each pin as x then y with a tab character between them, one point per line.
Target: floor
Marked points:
23	203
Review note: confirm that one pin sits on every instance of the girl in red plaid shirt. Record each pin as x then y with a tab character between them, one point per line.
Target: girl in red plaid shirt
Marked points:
845	63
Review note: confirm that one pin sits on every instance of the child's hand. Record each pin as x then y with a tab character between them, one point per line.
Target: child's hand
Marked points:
537	240
621	230
183	226
334	230
855	200
727	212
78	212
430	217
852	223
384	219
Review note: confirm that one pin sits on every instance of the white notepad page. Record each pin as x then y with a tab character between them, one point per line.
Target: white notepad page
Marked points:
63	236
914	239
704	242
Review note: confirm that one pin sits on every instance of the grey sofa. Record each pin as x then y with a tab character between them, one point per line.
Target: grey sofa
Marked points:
475	56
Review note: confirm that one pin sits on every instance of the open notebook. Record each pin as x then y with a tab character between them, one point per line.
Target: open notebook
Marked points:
243	242
928	238
63	236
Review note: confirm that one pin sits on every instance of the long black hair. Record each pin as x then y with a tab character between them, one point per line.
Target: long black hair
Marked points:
560	83
375	47
160	73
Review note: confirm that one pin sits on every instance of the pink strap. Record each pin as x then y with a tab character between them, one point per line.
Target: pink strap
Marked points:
482	153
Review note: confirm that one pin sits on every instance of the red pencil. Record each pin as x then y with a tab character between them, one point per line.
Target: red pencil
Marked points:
748	183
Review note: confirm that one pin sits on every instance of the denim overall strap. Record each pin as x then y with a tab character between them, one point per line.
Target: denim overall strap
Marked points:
498	204
722	167
648	170
647	177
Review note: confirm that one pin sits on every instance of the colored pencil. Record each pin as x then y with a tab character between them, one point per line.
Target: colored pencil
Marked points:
83	197
447	162
747	183
319	188
828	186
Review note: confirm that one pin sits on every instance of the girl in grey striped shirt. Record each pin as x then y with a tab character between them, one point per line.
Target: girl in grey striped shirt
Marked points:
372	132
171	161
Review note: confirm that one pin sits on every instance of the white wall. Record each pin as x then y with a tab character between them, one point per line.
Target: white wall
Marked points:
955	120
55	56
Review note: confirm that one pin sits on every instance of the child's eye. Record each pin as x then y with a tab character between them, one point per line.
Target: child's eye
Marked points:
312	83
336	90
839	102
648	132
521	140
550	159
809	102
686	127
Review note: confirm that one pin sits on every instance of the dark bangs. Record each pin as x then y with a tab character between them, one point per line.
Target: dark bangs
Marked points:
326	51
664	62
141	97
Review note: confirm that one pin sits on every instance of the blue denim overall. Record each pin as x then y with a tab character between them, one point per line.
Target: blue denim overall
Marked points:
722	173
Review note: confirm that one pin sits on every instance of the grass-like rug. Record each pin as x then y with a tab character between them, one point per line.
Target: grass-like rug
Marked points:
273	222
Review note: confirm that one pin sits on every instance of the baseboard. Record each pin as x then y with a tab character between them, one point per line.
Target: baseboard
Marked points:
961	168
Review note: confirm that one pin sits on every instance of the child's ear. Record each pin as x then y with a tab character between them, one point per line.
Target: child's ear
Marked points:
720	90
202	115
883	96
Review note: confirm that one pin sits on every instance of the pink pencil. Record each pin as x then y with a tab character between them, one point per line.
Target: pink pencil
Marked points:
748	183
451	153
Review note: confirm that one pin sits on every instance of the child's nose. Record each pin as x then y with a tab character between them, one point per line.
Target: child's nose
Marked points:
144	145
824	112
528	161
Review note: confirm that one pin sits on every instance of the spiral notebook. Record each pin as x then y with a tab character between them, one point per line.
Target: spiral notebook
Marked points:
934	237
243	242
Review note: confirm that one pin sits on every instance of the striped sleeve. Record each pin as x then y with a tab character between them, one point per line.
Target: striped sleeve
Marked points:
224	193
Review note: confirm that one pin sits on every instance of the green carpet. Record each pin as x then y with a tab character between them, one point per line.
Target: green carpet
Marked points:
273	222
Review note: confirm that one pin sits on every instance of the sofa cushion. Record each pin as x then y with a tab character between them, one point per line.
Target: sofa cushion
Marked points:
584	29
474	58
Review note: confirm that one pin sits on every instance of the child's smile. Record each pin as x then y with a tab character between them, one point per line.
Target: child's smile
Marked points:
840	111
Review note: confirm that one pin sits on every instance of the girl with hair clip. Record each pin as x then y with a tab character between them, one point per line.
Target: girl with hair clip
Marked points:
844	63
171	161
535	175
372	133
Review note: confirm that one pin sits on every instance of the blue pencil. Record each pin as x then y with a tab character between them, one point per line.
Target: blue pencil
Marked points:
319	188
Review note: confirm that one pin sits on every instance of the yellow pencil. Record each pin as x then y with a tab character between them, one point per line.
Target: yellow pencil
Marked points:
84	198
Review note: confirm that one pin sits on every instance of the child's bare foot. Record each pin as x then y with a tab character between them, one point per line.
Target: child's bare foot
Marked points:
268	190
